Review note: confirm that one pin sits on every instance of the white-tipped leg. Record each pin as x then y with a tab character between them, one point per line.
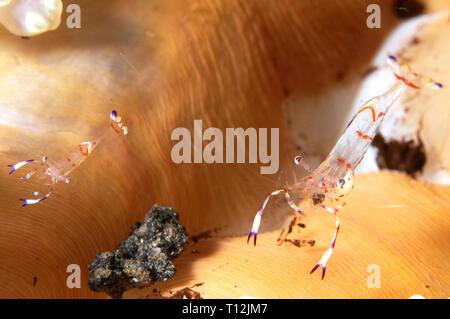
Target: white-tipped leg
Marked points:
257	220
328	253
15	167
323	261
34	201
255	227
27	177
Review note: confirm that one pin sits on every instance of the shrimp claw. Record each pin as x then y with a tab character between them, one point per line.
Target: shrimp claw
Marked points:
324	268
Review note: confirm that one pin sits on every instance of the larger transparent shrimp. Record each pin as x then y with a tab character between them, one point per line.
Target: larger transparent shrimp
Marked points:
334	177
55	172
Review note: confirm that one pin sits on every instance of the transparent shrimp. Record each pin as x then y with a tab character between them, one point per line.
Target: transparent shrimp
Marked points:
334	177
54	172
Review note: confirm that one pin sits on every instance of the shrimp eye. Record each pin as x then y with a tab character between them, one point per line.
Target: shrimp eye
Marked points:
341	182
298	159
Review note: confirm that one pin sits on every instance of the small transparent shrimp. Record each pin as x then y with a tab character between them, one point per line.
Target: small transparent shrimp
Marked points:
56	172
334	177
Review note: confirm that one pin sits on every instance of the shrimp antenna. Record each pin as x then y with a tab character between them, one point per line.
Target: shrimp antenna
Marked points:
116	123
403	72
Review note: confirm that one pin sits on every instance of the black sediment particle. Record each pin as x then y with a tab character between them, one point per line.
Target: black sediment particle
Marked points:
311	242
369	71
408	8
143	258
318	198
414	41
408	157
202	235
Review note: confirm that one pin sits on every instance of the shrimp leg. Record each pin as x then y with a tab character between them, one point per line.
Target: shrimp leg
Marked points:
34	201
257	220
18	165
31	173
329	252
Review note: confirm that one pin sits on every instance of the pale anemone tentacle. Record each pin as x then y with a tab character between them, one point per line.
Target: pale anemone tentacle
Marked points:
30	17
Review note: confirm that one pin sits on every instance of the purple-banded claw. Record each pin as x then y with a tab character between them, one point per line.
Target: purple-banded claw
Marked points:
324	268
250	236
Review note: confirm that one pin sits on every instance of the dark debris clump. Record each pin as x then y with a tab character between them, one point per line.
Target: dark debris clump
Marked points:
406	9
143	258
408	157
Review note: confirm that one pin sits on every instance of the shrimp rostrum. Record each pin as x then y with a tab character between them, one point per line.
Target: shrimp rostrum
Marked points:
53	172
333	179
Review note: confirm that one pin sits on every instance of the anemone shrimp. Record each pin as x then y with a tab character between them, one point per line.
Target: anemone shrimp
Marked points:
59	171
334	177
